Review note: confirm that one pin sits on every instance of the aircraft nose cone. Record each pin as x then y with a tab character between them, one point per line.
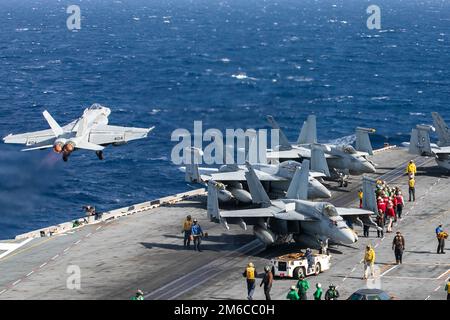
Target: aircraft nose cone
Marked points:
367	167
319	191
347	236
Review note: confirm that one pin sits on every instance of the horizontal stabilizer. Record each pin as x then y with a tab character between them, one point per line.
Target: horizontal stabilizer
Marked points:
89	146
38	148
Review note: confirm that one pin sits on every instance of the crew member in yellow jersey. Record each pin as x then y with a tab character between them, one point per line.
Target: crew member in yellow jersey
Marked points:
250	275
412	188
187	225
411	169
360	196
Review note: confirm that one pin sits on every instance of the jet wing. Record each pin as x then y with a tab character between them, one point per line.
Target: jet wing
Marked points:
294	216
249	213
353	212
106	134
31	138
316	174
289	154
442	150
240	176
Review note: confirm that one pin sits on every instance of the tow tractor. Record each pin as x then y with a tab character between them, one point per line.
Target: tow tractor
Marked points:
293	264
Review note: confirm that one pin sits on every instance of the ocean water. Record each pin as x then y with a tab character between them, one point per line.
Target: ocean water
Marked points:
227	63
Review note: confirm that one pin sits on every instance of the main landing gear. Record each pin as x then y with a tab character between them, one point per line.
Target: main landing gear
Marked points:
99	155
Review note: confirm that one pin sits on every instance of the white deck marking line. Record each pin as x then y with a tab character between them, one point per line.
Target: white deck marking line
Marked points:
443	274
78	241
388	270
410	278
55	257
88	235
66	249
437	288
10	247
353	269
98	228
43	265
376	246
344	279
17	282
29	274
3	291
427	297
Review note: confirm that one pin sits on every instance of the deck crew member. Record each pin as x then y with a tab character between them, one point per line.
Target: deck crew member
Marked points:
398	245
369	261
441	235
360	196
332	293
267	281
380	224
139	295
250	275
412	189
187	226
411	169
197	234
302	286
318	293
447	289
292	294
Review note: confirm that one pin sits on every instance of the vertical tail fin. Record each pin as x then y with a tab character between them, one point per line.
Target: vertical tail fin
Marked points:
442	130
308	134
369	199
284	142
192	172
298	188
318	161
57	130
363	141
212	201
259	195
420	141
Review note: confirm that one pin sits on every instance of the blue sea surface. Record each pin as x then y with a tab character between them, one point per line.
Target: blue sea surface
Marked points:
227	63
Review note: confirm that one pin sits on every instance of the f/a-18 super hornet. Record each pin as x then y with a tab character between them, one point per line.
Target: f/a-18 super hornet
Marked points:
274	222
89	132
420	142
233	186
340	160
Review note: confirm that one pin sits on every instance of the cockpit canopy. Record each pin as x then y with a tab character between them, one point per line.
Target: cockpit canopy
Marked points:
96	106
329	210
349	149
290	165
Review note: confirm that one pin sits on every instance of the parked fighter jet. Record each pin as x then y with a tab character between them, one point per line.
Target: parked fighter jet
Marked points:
90	132
420	144
340	159
276	179
310	223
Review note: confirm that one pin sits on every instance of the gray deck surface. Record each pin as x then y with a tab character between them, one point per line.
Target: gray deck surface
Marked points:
145	251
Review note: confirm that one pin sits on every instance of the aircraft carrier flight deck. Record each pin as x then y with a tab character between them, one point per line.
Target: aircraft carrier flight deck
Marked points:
145	250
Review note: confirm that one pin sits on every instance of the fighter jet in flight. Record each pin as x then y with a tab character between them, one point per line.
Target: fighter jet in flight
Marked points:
90	132
275	222
340	160
275	178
